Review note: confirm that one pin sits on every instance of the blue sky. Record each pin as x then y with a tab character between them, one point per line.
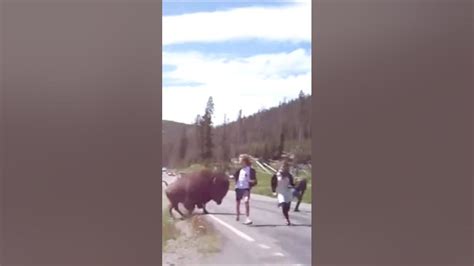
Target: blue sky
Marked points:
179	7
246	54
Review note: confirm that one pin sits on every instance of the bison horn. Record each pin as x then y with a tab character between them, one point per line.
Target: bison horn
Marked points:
214	180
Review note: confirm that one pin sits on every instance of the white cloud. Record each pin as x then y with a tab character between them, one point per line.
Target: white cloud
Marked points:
247	83
242	83
218	70
287	23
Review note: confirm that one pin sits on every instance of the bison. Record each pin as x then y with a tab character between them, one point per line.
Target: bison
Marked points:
196	189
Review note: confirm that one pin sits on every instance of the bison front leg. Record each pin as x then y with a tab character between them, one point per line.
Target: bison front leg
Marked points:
175	206
170	209
203	207
190	207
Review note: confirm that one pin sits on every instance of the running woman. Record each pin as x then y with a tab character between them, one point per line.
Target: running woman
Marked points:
245	179
282	186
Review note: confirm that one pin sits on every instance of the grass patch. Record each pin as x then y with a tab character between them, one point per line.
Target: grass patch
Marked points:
263	186
308	194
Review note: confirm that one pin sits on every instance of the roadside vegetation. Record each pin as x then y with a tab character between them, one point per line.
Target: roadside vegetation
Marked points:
271	135
266	134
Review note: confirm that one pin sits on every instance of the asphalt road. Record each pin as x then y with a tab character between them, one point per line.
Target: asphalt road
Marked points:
268	241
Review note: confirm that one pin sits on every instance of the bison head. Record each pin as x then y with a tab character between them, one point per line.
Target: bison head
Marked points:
220	186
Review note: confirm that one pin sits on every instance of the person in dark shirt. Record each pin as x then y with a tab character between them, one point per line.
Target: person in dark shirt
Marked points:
282	185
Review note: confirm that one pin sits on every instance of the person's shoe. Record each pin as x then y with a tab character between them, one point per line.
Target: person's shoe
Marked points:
248	221
296	210
237	218
288	223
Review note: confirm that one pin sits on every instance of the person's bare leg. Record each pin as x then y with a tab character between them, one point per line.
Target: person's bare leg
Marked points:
247	209
298	204
237	207
286	209
283	211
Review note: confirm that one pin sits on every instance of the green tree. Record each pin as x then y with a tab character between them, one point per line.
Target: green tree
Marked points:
302	115
183	145
225	142
281	147
266	154
207	125
199	136
240	128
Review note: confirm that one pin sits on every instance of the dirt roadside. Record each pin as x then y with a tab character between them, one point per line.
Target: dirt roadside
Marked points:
192	241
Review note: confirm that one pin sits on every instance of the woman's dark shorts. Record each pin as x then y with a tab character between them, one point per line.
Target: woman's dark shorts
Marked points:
242	193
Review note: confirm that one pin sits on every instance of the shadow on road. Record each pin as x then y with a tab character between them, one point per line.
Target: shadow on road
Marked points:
217	213
302	212
276	225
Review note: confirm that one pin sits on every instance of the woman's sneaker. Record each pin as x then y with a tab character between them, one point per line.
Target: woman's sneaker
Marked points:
248	221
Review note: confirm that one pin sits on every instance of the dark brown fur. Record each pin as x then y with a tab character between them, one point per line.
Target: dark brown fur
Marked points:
196	189
301	187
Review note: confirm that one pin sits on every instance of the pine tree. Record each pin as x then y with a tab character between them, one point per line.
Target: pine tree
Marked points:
302	116
240	128
281	147
225	142
207	129
183	145
199	136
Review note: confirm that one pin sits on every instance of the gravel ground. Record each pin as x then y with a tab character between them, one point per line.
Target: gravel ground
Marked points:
196	241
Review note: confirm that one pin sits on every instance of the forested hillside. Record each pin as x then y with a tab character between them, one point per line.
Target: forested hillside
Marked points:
266	134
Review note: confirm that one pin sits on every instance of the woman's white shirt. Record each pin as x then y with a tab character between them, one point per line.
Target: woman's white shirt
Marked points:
243	181
284	193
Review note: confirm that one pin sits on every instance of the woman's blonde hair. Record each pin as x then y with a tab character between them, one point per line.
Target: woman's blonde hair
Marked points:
285	165
244	158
